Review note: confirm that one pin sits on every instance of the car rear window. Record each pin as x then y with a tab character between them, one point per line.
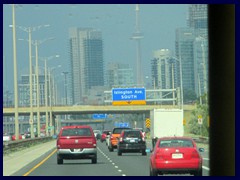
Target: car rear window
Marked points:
76	132
176	143
119	130
132	134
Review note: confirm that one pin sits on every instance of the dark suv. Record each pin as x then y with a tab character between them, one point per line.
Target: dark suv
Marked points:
76	142
131	141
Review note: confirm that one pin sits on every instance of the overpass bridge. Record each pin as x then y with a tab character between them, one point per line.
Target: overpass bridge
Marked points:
89	109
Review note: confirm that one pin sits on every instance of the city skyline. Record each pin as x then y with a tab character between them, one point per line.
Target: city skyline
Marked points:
123	24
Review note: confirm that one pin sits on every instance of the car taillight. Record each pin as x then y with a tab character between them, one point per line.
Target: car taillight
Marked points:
111	138
58	146
195	154
158	156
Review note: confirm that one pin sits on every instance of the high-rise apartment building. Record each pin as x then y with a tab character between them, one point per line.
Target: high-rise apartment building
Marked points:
24	91
165	70
86	62
197	16
191	48
119	75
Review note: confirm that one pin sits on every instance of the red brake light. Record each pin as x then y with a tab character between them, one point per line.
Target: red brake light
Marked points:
195	154
158	155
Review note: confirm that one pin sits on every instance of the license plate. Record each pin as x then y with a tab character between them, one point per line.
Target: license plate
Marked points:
132	140
77	150
177	156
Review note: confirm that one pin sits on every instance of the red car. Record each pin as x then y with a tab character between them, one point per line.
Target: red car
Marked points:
104	135
76	142
19	137
176	155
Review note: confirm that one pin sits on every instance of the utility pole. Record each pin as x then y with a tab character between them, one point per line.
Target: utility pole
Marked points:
15	75
65	85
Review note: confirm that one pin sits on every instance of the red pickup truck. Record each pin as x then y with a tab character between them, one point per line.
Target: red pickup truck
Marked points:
76	142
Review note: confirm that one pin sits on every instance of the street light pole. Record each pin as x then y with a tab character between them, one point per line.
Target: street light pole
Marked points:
30	80
36	44
38	95
15	75
65	83
29	30
46	98
204	73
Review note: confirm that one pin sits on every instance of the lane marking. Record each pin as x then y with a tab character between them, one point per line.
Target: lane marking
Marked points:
39	164
109	159
206	159
204	167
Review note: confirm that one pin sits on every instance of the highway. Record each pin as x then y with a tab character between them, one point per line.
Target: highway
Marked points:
108	164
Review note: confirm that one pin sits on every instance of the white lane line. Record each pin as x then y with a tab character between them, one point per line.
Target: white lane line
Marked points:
204	167
119	170
206	159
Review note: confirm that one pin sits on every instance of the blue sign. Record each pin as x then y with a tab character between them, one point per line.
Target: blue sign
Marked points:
128	94
99	116
121	124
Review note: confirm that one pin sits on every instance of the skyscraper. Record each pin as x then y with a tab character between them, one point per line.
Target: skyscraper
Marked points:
191	47
86	62
165	70
119	75
197	16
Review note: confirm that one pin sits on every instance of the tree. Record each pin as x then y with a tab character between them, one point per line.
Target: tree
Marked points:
194	126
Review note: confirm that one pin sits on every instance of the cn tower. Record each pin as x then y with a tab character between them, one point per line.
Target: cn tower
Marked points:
137	36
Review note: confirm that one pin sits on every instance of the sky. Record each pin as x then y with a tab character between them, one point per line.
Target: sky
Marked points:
158	23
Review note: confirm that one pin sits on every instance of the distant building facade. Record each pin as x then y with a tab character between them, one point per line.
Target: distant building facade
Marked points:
165	70
24	90
119	75
191	46
86	62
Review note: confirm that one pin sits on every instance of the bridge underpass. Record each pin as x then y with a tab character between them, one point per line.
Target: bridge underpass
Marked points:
142	112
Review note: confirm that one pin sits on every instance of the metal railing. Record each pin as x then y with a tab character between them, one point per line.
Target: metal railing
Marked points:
13	146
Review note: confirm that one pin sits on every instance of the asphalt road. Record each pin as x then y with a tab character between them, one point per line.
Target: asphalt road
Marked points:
108	164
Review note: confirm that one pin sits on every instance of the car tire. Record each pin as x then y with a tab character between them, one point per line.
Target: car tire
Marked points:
110	149
119	153
153	172
94	160
198	173
59	160
144	153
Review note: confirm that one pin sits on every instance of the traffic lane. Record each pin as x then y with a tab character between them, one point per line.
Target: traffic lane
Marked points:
134	164
70	168
130	164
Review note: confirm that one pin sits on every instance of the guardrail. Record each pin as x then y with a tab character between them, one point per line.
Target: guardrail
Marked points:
12	146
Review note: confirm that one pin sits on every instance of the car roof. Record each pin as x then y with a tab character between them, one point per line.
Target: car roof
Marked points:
129	130
175	137
77	126
122	128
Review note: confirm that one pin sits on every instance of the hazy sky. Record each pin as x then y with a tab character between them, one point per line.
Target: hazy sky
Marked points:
116	21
